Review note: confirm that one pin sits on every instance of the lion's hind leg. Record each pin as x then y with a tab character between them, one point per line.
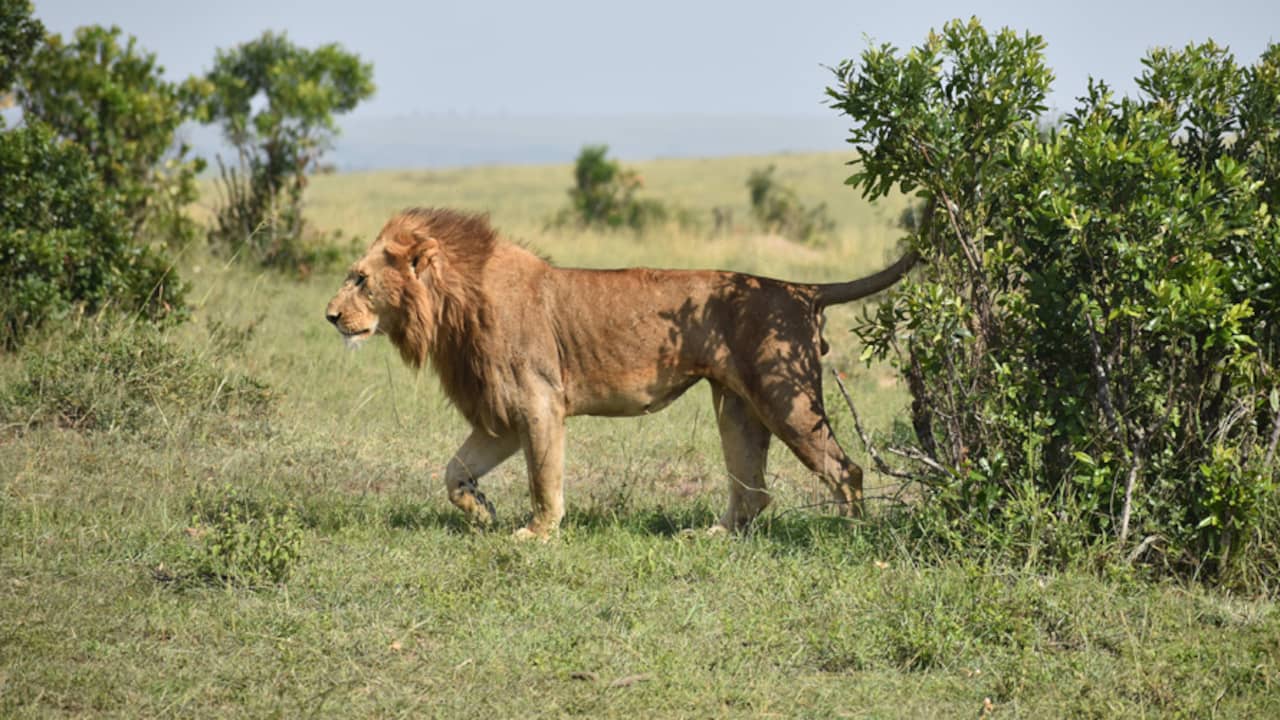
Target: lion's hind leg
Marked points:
745	441
480	453
796	415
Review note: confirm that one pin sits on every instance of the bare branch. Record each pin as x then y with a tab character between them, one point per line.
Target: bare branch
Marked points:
917	456
880	464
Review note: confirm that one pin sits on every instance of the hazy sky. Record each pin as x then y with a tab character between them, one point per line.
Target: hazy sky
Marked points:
581	57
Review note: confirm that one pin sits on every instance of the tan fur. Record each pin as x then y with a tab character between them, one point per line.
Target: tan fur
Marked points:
519	345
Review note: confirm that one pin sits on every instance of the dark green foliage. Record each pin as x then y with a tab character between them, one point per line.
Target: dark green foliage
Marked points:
1091	348
19	34
109	376
778	209
604	195
278	141
64	242
110	97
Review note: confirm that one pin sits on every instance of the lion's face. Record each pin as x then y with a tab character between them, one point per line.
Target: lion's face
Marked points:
363	304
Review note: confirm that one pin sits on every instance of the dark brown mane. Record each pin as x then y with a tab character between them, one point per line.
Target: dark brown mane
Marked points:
446	309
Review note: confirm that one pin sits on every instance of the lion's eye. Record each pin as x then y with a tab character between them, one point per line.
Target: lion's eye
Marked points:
359	281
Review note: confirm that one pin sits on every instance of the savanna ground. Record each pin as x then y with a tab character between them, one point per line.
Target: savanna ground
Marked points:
394	608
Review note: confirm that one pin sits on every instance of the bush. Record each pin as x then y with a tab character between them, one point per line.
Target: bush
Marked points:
778	209
64	242
604	195
19	35
1091	349
125	376
110	97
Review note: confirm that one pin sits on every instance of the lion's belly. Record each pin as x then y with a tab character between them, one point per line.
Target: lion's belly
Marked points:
628	397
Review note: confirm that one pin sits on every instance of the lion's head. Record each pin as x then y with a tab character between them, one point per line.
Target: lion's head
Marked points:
419	284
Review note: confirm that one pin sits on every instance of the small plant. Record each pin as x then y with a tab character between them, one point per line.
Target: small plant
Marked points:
242	540
778	209
604	195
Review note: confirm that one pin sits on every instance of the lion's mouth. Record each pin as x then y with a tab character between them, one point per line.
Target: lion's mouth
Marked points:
354	337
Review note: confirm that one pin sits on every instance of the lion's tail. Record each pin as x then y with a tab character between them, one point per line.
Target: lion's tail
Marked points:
837	293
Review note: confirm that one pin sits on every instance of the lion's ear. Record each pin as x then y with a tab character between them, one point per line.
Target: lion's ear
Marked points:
425	257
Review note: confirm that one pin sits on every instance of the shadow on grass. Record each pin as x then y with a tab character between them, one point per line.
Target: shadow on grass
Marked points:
785	532
406	515
665	522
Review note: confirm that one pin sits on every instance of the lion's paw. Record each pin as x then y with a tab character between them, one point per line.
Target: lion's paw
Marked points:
715	531
524	534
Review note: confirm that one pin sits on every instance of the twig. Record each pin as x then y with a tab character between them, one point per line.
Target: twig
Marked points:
394	406
1129	482
1142	547
921	458
1275	439
880	464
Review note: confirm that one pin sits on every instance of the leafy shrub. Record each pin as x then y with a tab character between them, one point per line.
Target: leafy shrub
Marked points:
278	141
604	195
64	243
110	97
1091	349
106	376
778	209
241	540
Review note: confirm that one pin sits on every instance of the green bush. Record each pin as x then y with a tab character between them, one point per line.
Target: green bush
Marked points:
108	376
604	195
778	209
19	35
279	142
240	539
109	97
64	243
1091	348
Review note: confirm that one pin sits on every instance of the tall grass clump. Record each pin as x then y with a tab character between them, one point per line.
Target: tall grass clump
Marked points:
1091	347
116	375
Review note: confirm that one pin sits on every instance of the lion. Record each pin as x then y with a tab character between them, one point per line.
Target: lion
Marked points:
520	344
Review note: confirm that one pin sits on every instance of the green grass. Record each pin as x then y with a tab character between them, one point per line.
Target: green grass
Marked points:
394	608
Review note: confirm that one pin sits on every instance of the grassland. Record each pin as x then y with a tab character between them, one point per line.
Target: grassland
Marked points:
394	608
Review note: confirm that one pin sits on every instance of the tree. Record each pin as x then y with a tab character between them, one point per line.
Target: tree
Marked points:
110	97
276	104
1091	348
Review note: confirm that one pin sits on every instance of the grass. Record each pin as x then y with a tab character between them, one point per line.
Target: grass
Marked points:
394	608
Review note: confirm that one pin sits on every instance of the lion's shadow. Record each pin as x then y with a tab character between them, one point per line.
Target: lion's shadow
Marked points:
786	530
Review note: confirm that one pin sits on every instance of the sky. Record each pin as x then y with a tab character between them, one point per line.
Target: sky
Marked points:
470	59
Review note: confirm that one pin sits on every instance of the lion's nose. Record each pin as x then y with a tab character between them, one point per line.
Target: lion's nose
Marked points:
332	317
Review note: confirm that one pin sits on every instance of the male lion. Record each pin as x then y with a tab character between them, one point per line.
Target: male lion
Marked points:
520	345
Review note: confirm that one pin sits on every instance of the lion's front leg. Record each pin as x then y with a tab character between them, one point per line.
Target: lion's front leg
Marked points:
480	453
543	439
